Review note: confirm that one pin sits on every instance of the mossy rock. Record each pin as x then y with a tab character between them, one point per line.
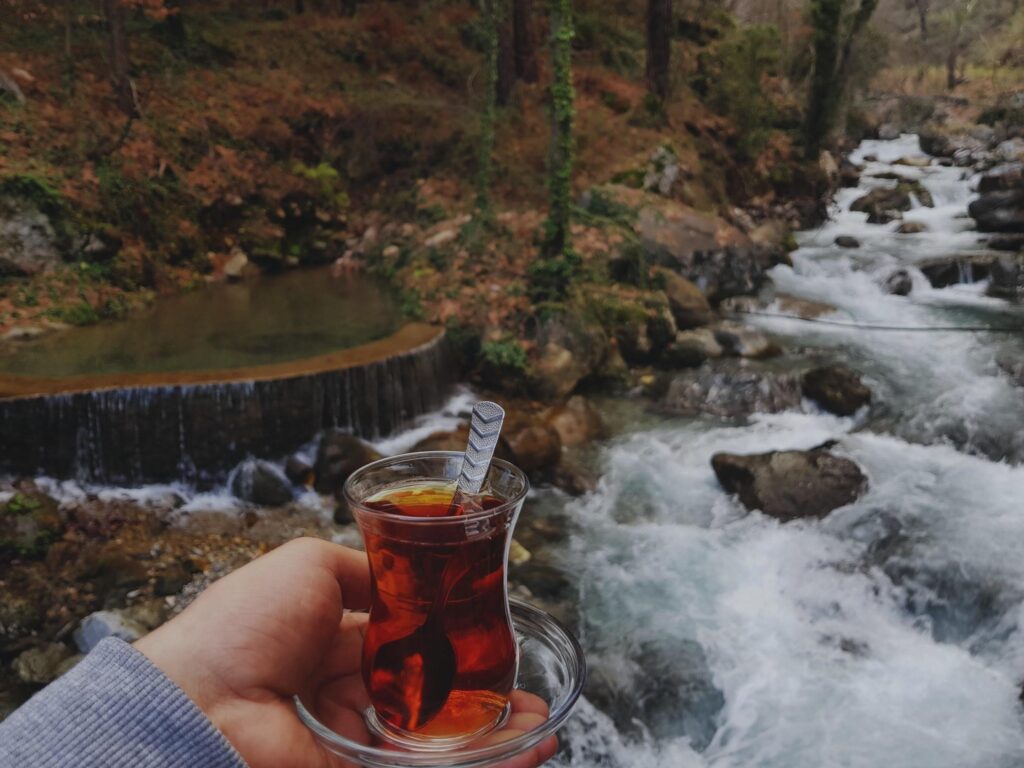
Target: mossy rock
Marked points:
20	615
29	524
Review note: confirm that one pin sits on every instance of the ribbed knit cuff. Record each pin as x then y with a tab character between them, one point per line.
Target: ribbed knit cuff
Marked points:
115	709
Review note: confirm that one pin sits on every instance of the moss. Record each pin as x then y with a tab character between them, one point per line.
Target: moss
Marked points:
29	523
503	363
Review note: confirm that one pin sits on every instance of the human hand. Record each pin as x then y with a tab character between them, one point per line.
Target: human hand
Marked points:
276	629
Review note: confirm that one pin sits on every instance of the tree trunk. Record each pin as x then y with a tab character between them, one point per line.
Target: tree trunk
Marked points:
951	79
825	19
124	89
506	61
492	20
522	41
659	46
922	18
558	241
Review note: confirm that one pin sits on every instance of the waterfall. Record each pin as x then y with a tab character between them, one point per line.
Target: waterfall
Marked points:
197	432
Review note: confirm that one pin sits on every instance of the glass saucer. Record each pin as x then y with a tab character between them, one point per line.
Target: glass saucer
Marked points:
551	666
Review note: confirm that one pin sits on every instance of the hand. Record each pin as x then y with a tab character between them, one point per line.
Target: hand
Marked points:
275	629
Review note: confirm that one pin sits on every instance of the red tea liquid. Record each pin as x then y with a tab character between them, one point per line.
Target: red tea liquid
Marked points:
409	561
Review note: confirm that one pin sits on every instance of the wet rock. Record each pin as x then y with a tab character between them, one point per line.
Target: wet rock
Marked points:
1011	149
573	479
691	346
883	205
19	615
847	241
29	523
1012	364
665	686
338	456
719	259
805	308
1002	178
1007	277
790	485
569	350
41	665
298	470
849	174
235	268
262	483
543	580
899	283
935	141
731	394
663	171
103	624
743	341
537	448
945	271
888	131
914	162
837	389
173	578
1000	211
576	422
1006	243
912	228
689	306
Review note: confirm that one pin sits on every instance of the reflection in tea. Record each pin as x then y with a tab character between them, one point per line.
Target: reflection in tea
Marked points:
422	578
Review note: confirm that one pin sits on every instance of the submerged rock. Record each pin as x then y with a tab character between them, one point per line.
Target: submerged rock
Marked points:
882	205
262	483
837	389
899	283
731	394
790	485
338	456
847	241
808	309
1000	211
743	341
945	271
911	228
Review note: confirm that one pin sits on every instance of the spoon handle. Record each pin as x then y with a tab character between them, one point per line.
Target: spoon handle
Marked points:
484	430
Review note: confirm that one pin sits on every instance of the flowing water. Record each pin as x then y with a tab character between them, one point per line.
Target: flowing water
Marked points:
888	634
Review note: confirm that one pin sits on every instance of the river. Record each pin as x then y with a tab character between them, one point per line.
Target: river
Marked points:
889	633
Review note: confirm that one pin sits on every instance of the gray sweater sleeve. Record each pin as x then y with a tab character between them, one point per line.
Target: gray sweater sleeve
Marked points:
115	709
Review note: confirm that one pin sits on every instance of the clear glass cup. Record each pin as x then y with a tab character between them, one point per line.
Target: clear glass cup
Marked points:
440	656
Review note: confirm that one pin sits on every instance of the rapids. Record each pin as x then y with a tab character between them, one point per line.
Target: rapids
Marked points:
888	634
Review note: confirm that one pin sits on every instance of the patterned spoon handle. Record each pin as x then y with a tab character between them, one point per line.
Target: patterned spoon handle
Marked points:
484	430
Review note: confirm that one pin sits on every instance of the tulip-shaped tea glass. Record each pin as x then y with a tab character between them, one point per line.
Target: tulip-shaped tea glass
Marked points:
440	655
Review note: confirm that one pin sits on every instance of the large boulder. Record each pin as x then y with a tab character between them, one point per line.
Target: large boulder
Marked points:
1007	277
944	271
899	283
790	485
338	456
837	389
537	448
734	394
29	241
999	211
884	204
568	350
576	422
260	482
719	259
1001	178
689	306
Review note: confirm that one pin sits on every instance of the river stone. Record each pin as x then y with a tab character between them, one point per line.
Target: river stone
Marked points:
837	389
914	162
39	666
1007	273
663	688
576	422
689	306
20	615
790	485
537	448
743	341
28	240
1000	211
945	271
262	483
696	343
298	470
883	205
899	283
847	241
103	624
911	228
1001	178
808	309
29	524
849	174
1006	243
731	394
338	456
888	131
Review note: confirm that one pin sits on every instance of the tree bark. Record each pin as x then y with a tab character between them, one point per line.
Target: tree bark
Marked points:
124	89
506	60
951	79
659	46
522	41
